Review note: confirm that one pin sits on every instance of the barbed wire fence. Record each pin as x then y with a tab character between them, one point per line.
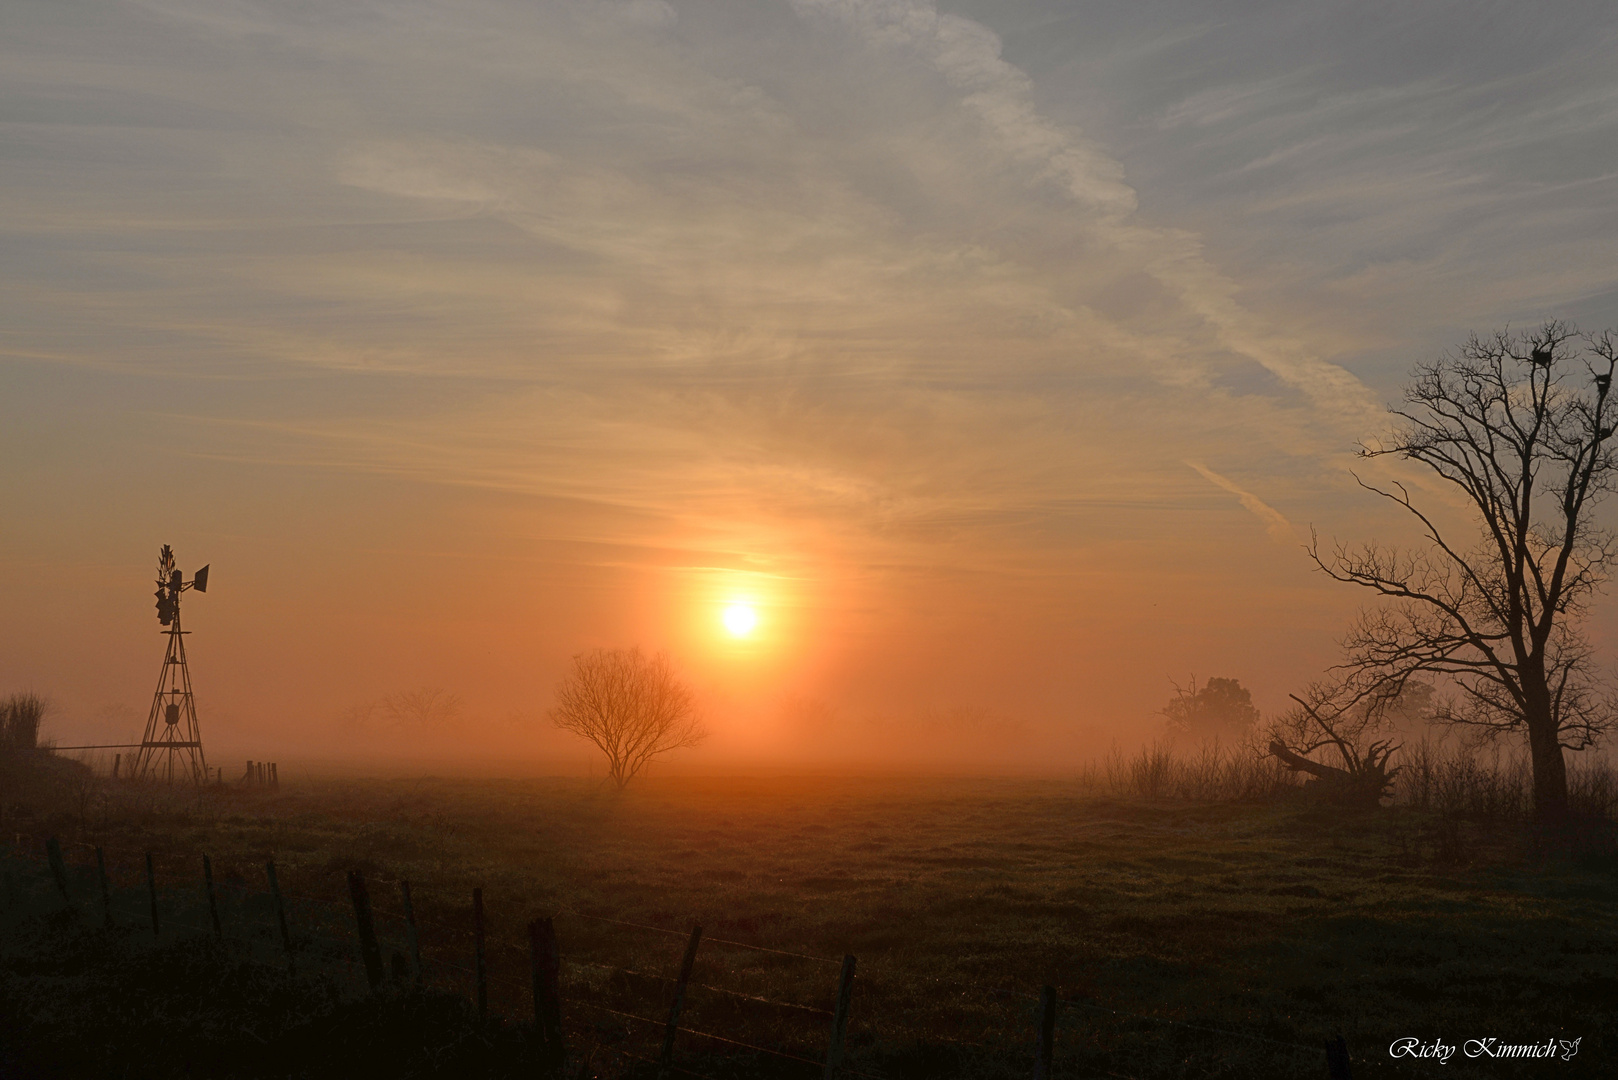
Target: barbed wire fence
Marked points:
622	994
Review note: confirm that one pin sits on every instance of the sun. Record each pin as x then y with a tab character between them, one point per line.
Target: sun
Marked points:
740	619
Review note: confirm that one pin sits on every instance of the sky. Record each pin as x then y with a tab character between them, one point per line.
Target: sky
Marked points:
1001	355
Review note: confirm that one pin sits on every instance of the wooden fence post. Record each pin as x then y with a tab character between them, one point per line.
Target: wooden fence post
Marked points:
686	964
247	777
117	760
53	855
546	961
106	893
839	1020
151	891
410	924
1047	1033
281	917
362	918
1337	1058
213	905
481	970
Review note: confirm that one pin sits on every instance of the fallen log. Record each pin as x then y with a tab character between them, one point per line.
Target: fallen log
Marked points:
1299	763
1363	787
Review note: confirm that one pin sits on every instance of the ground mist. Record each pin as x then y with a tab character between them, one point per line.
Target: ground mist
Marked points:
1201	915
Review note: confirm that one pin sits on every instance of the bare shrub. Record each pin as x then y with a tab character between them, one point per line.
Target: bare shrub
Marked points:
1210	772
1461	780
1498	788
20	717
1418	781
1151	772
1592	789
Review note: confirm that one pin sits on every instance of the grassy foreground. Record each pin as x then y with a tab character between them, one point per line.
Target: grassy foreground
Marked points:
1259	928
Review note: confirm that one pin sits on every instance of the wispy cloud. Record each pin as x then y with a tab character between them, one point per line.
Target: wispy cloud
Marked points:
1275	523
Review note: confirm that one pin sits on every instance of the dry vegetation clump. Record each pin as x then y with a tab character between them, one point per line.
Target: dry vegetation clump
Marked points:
1459	780
34	779
1463	780
1211	771
20	717
1593	789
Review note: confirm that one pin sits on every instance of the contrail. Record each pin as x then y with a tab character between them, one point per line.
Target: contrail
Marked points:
1279	528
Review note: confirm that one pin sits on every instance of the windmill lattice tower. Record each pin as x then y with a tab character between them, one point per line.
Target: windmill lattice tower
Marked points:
171	749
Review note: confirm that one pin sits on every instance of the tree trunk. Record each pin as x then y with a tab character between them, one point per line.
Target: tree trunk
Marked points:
1545	752
1299	763
1550	773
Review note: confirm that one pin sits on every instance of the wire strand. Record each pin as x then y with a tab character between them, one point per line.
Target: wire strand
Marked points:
709	940
127	897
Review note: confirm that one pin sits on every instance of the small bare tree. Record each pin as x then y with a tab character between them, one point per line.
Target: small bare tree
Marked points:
425	708
1521	426
633	707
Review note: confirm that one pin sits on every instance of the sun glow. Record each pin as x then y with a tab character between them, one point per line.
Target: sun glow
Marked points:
740	619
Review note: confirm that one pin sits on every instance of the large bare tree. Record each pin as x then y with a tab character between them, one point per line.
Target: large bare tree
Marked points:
632	706
1520	425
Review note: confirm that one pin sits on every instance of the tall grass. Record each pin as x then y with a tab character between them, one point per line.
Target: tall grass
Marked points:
1453	780
20	717
1462	781
1497	786
1210	772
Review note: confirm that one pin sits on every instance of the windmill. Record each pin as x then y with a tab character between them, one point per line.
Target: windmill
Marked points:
172	746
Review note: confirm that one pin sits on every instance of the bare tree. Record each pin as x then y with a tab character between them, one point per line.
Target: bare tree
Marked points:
633	707
426	708
1521	426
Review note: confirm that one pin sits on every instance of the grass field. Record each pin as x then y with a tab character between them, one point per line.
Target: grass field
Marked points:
1259	928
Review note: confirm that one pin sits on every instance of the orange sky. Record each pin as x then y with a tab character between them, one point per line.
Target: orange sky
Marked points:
1003	356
